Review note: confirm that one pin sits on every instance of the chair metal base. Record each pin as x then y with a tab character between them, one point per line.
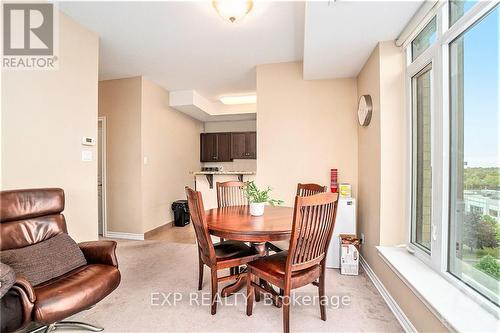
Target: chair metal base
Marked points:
68	324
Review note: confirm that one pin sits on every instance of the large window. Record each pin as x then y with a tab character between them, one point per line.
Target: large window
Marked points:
453	74
475	169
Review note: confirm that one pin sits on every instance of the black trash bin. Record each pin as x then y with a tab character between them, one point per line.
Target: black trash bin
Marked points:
181	213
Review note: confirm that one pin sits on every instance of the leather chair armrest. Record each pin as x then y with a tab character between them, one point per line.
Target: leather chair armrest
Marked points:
27	296
23	285
100	252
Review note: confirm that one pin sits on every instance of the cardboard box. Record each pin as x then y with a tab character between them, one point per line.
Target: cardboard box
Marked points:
349	254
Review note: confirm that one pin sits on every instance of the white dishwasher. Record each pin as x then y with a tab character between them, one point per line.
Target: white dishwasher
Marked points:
344	224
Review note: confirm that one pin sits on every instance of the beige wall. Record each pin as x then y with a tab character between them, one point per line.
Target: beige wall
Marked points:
171	144
305	128
45	114
150	150
369	159
382	176
230	126
120	103
393	135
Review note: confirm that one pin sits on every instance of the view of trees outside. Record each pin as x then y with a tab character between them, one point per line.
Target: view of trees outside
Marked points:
475	160
481	179
481	228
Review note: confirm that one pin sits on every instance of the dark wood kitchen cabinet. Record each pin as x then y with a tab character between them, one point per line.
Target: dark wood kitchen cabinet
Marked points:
244	145
215	147
224	147
238	145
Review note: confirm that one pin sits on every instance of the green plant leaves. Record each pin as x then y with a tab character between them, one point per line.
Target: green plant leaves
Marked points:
253	194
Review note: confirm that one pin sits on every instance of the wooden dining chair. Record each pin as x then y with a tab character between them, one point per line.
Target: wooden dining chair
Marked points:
227	254
303	190
304	262
231	194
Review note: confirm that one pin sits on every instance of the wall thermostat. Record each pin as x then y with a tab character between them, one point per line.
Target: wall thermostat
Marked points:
88	141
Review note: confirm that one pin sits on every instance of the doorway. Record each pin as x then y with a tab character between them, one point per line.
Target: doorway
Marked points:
101	177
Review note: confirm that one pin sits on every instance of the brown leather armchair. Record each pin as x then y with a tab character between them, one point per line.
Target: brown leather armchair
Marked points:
10	304
29	217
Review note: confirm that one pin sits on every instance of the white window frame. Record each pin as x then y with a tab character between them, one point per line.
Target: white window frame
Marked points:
430	56
431	63
438	55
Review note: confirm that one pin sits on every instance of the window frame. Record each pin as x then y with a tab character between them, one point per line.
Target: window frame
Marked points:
427	22
427	67
438	56
431	56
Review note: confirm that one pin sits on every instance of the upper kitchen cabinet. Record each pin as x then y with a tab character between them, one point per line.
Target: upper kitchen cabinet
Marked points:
244	145
215	147
224	147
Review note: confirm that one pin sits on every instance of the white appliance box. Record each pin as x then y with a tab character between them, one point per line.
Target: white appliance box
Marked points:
345	224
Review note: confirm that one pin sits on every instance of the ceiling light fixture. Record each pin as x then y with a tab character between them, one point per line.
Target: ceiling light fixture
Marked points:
232	10
233	100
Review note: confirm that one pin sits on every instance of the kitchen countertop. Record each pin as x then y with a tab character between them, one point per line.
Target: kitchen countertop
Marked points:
210	175
223	173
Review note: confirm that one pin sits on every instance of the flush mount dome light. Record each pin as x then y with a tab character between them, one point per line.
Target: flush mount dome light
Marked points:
232	10
232	100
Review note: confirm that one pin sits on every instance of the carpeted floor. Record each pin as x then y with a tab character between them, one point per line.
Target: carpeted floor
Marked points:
153	269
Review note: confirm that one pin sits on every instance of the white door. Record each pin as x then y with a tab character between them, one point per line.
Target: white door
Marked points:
100	205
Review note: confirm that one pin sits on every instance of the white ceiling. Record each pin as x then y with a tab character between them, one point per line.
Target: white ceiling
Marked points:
340	35
201	108
187	46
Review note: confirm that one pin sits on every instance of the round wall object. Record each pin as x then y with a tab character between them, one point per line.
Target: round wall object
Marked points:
365	109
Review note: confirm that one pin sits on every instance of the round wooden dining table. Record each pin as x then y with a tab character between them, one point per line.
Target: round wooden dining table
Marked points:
236	223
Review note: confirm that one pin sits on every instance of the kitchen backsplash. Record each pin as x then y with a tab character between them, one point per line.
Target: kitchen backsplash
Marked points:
236	165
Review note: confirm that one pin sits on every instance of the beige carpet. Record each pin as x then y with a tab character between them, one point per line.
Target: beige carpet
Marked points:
150	267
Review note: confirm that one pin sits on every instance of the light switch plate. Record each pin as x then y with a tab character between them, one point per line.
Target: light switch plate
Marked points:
88	141
87	155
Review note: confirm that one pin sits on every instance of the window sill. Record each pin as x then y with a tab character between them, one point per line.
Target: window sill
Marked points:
456	310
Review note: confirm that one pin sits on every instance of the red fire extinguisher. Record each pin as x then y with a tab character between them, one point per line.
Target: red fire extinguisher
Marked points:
334	185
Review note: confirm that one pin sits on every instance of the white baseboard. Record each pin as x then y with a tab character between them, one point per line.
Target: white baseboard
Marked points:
391	303
124	235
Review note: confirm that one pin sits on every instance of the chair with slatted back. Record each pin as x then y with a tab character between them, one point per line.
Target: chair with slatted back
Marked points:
230	194
304	262
303	190
223	255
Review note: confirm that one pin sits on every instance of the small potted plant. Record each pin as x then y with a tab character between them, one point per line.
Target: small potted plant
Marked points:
258	198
